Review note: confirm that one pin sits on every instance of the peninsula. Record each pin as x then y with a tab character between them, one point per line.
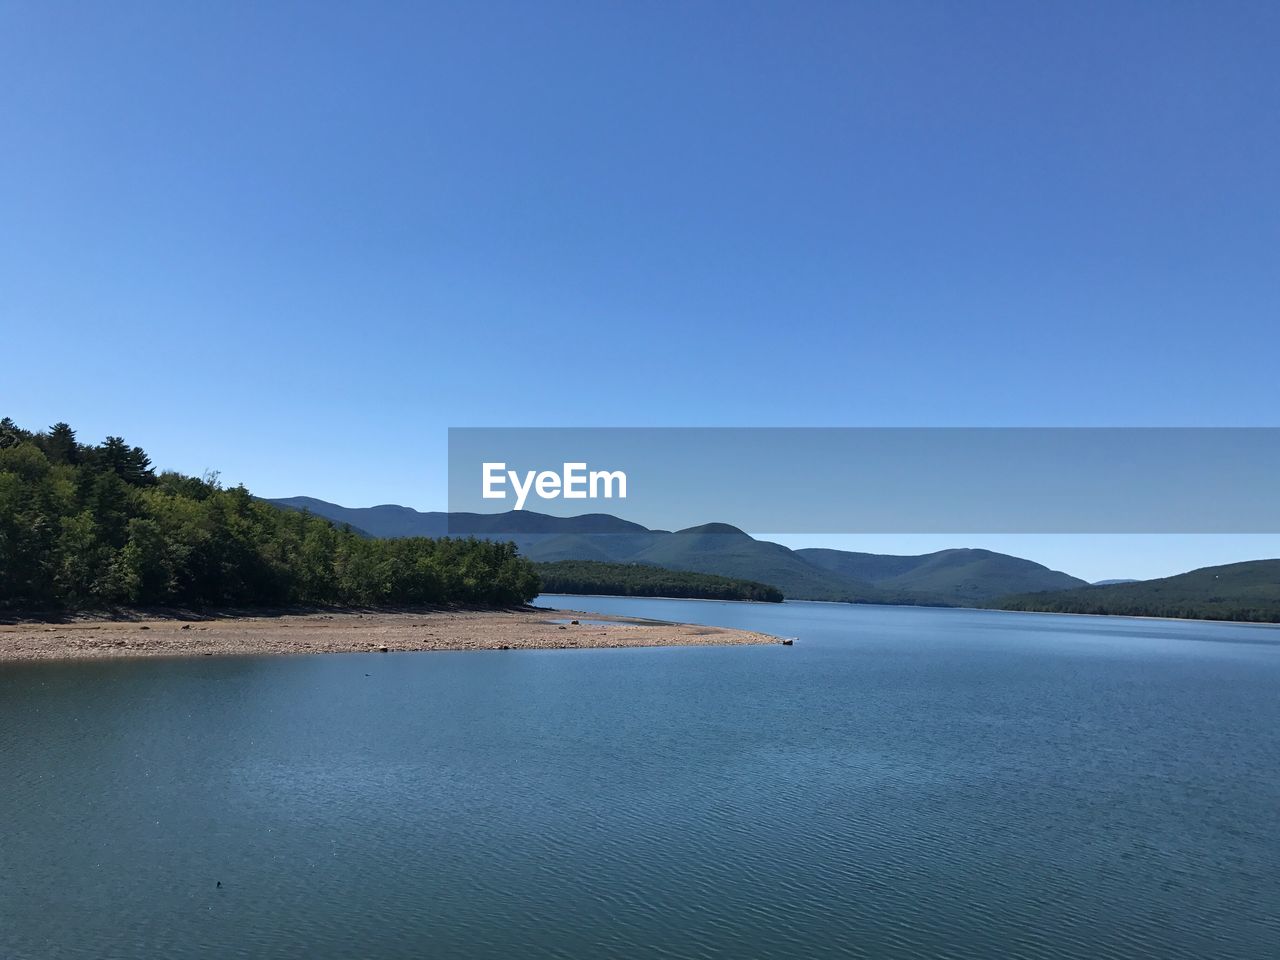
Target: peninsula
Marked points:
375	632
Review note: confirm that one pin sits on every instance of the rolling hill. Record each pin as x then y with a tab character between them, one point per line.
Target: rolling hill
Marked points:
949	577
1237	591
390	520
721	549
960	576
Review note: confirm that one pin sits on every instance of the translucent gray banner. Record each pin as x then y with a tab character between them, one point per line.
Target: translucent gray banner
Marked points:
872	480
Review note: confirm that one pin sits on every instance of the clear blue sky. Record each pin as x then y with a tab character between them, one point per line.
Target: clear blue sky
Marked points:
296	242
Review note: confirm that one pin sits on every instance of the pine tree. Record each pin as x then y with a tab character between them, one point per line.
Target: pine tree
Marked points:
60	444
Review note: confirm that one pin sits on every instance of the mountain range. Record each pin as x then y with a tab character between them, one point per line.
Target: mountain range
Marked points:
958	577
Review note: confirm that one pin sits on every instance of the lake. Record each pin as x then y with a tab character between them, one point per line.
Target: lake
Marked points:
901	783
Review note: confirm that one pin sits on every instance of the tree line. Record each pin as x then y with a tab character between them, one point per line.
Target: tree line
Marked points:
92	526
1245	611
593	577
1248	591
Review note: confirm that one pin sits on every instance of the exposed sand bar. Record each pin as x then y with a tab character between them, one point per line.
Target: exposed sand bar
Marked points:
352	633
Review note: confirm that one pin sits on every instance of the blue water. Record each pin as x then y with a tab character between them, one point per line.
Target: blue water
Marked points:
900	783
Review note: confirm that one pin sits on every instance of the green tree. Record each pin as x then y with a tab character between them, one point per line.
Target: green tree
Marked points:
130	464
88	526
60	444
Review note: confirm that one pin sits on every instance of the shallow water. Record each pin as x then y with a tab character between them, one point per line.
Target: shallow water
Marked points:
900	783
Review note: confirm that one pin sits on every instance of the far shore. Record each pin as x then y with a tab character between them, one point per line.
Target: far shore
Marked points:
646	596
1130	616
349	632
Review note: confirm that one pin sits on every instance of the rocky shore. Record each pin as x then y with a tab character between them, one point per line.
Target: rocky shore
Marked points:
351	633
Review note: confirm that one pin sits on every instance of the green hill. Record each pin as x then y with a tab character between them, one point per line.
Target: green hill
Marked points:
717	549
95	526
390	520
949	577
1237	591
642	580
727	551
961	576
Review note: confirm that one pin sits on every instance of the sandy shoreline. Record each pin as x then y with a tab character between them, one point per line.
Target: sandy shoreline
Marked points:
352	633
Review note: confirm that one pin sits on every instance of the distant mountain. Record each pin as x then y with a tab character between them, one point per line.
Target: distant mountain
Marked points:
712	548
962	576
1236	591
721	549
949	577
1107	583
389	520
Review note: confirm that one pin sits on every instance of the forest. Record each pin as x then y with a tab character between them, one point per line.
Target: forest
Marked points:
1248	591
592	577
95	526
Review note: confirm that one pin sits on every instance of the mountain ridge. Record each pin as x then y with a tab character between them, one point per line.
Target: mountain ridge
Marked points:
959	576
1248	591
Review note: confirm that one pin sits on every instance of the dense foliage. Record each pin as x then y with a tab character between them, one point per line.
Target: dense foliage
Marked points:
95	526
1248	591
592	577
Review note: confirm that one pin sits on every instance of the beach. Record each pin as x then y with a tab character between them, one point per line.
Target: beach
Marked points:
350	632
